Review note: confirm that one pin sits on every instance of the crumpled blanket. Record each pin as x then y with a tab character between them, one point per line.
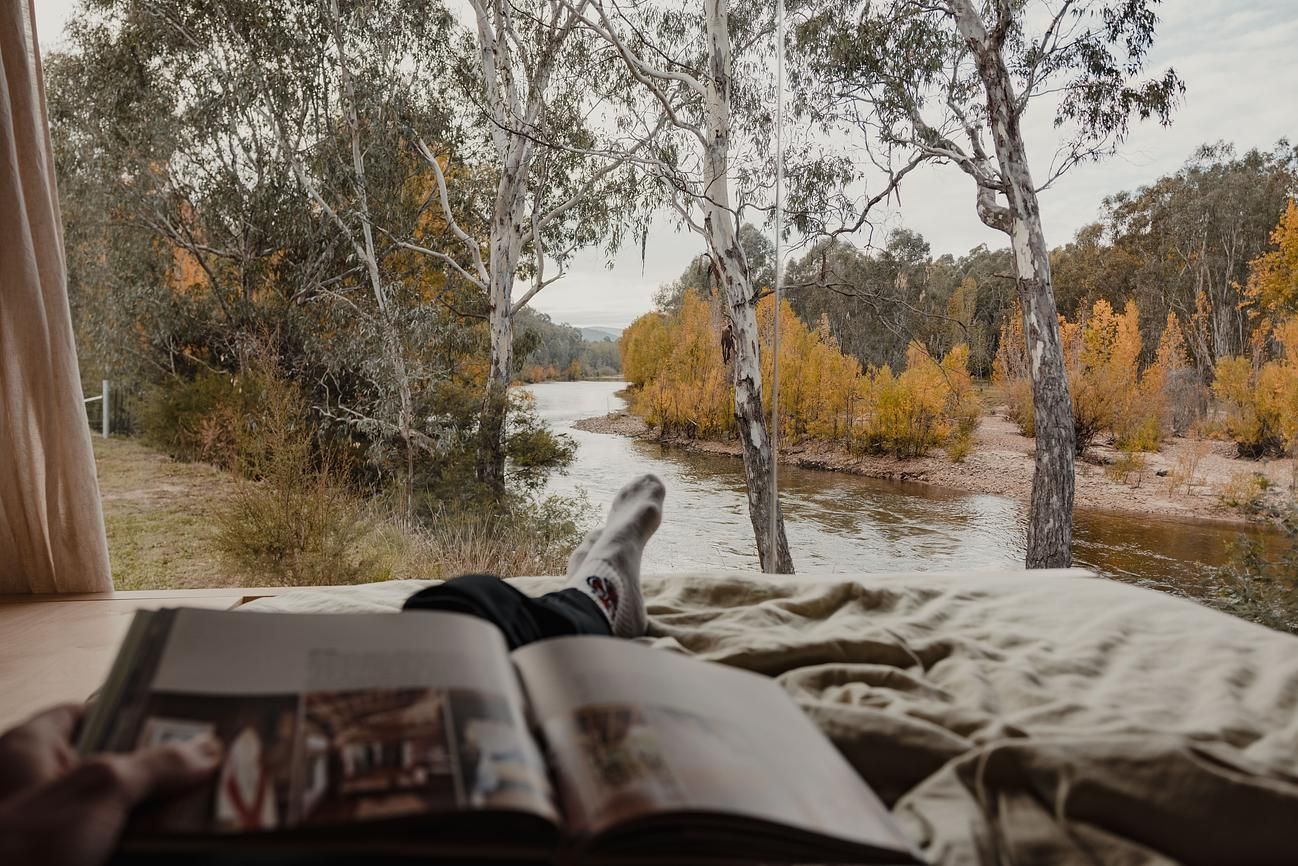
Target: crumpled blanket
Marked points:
1028	718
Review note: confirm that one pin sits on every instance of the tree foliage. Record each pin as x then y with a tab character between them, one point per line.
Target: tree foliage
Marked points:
546	350
1273	279
1137	404
215	209
678	371
1260	399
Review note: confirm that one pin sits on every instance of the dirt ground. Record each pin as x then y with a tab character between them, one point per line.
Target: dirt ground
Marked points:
158	514
1196	472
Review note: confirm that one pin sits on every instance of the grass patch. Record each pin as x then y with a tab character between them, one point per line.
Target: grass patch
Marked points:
158	516
163	523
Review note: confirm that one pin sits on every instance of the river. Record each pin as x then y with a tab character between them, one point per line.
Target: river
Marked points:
850	524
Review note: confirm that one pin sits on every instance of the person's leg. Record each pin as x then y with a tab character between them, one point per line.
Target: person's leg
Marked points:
603	592
520	617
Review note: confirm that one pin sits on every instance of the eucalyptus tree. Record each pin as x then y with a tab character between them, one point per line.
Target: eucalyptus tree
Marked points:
259	152
932	81
294	101
531	126
697	78
167	180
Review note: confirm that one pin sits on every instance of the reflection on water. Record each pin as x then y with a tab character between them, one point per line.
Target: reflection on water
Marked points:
845	523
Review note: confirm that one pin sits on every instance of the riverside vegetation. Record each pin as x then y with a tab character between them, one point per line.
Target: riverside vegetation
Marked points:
1136	384
335	199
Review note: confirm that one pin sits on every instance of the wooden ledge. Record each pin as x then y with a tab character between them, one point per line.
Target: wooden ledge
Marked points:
58	647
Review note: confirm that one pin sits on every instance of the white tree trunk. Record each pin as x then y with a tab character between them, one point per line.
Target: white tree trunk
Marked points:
1050	519
518	115
506	242
391	337
736	286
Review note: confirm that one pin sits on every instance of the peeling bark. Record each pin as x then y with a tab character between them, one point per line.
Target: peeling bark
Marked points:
514	119
722	235
505	247
1050	518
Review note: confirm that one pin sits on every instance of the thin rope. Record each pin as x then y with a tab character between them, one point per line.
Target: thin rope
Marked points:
773	556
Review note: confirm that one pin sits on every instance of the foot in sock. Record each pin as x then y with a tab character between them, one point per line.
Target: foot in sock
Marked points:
579	553
609	571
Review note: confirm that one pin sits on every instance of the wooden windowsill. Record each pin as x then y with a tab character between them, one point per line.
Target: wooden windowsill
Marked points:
58	647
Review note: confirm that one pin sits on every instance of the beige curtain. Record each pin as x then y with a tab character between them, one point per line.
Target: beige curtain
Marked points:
51	526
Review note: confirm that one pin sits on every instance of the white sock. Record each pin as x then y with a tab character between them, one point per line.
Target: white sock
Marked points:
610	570
579	554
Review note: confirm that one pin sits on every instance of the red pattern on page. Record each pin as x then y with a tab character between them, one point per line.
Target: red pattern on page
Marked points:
249	813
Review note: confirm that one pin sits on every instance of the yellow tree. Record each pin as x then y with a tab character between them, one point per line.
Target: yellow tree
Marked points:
1273	279
1168	386
644	346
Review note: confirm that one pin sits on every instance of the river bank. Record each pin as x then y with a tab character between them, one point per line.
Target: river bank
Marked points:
1184	481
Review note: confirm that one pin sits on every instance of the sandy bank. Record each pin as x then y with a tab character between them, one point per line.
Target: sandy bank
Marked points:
1001	464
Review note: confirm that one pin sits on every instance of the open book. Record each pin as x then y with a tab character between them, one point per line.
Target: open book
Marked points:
386	736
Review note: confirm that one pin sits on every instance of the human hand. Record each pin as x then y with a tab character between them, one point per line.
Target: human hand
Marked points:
60	809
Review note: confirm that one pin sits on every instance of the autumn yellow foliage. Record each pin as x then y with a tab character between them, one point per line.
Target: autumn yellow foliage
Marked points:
1273	278
1260	400
674	363
682	384
1259	397
1111	394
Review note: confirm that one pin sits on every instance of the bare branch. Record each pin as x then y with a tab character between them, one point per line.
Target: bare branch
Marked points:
472	245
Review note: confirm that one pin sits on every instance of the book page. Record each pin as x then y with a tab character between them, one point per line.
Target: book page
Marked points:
635	732
329	719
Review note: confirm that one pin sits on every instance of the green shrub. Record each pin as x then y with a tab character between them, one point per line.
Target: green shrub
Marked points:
959	444
528	537
198	418
292	521
1142	433
1129	468
296	527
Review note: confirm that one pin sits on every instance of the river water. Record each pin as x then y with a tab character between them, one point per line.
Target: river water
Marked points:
846	523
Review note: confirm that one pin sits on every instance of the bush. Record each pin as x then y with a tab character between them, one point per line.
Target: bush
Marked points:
1187	467
293	520
532	448
959	445
929	405
1260	401
1245	492
530	537
198	418
1018	401
1129	468
1110	393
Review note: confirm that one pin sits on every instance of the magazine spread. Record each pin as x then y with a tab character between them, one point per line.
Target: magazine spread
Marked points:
641	734
419	735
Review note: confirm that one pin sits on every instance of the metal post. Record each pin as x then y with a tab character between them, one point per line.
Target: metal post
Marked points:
106	424
774	553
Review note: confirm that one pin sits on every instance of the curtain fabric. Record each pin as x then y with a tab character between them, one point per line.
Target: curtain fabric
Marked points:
51	525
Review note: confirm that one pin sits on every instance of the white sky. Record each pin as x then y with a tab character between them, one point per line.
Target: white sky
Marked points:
1236	57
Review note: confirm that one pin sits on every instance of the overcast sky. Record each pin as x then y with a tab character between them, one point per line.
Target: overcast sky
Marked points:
1236	57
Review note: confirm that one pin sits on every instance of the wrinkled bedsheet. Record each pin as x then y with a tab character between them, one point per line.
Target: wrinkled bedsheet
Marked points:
1042	717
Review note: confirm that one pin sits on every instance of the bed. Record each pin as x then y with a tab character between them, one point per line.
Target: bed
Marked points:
1042	717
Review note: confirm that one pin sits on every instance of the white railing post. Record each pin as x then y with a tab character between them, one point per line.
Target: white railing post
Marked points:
104	406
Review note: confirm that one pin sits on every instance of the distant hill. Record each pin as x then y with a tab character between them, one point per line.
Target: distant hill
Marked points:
598	333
